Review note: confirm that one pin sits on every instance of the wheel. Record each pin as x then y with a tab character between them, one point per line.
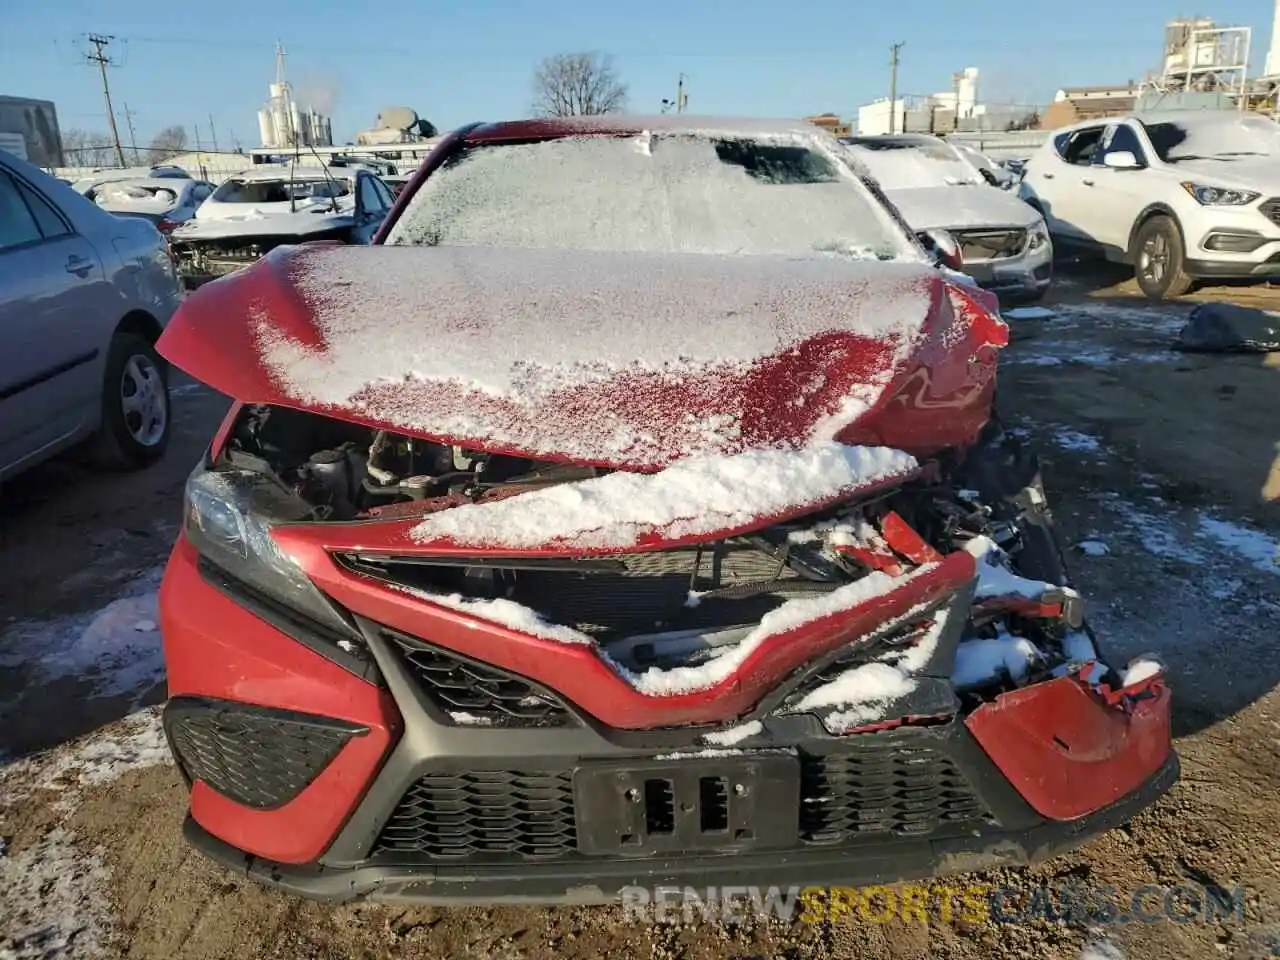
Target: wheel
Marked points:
1160	260
135	405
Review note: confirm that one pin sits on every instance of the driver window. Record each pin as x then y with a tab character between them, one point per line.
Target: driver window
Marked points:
1080	146
1120	139
370	202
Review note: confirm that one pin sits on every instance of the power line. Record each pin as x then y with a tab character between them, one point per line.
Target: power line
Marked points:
100	41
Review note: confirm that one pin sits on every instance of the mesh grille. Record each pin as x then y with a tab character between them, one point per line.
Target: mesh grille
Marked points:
257	757
875	789
881	788
473	693
526	816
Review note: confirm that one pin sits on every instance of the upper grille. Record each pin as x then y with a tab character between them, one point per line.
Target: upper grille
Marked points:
256	756
474	693
883	787
1271	210
990	244
880	785
509	814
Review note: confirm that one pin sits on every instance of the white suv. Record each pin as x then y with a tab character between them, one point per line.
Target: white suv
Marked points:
1181	196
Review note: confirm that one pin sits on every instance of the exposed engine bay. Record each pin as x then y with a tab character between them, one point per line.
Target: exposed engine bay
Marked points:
682	606
207	259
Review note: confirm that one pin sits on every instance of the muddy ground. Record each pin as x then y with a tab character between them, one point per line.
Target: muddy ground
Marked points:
1163	472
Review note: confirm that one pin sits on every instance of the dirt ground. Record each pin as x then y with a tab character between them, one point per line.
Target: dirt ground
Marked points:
1162	469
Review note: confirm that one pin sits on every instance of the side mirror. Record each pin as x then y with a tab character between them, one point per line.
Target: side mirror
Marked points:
944	248
1121	160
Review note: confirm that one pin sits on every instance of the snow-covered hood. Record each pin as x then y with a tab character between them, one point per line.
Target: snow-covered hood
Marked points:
1261	174
622	360
962	207
214	220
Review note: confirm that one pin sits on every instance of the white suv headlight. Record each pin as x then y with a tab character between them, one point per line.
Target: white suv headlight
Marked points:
1037	236
1219	196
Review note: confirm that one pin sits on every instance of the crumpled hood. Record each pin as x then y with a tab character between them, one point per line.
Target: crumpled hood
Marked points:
962	207
620	360
214	219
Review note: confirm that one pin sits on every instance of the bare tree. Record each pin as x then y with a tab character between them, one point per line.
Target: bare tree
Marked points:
169	142
86	149
577	84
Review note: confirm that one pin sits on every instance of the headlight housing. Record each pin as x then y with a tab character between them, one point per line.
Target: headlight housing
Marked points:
227	516
1037	236
1219	196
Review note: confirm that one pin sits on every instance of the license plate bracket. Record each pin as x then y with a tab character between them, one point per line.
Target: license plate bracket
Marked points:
699	804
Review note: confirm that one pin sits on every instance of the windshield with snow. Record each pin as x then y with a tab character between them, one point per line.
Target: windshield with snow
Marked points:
279	191
905	164
134	196
1215	137
658	194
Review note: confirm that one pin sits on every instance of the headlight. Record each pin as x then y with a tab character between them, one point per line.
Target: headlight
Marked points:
1037	237
226	518
1219	196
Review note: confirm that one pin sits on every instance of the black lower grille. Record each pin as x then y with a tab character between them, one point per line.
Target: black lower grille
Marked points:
884	788
472	693
480	815
880	786
256	756
1271	210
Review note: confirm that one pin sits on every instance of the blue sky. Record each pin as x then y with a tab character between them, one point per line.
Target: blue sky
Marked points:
471	60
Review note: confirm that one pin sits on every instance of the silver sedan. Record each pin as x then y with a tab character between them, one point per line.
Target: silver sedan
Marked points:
84	296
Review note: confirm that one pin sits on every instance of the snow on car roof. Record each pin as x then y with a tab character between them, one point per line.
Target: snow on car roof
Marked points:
299	171
658	123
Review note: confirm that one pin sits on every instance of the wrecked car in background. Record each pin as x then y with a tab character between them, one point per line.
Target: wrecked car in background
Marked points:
165	202
631	511
1003	241
256	211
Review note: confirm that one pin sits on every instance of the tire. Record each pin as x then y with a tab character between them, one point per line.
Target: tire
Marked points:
1159	260
136	418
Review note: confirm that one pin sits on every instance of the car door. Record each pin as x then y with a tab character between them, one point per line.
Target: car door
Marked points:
1058	181
1116	196
370	209
52	286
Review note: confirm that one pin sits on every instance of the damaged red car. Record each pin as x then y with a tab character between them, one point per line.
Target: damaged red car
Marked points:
633	511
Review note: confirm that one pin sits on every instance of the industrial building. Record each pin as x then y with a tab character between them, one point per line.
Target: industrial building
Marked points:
282	123
957	109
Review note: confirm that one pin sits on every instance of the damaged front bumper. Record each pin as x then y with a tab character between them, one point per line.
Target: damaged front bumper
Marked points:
371	787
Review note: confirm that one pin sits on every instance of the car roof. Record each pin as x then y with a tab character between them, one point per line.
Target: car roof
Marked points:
310	171
549	128
906	139
176	184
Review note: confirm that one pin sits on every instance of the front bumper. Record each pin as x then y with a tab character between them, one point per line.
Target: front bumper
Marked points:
888	861
1029	274
341	777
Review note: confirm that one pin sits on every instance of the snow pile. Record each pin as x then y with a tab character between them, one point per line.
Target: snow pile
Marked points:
619	359
55	891
1101	950
136	198
727	738
979	661
657	192
56	901
698	496
116	650
996	579
860	695
1253	545
1094	548
506	613
1140	669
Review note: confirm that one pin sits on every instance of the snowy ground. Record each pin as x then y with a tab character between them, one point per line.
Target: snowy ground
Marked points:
1169	539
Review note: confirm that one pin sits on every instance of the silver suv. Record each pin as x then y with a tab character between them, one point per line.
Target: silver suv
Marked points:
83	297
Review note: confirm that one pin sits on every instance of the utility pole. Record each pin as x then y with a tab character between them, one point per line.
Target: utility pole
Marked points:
893	85
133	137
213	134
196	128
682	100
99	41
